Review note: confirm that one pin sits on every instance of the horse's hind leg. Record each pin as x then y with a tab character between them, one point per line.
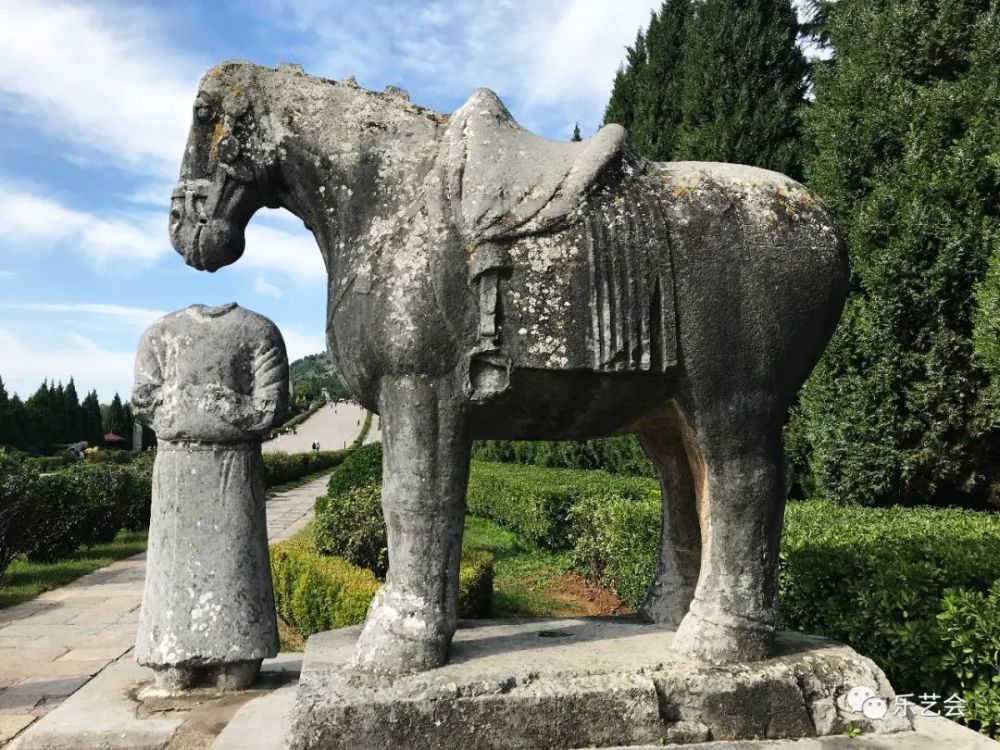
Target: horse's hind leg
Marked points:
412	619
669	444
732	615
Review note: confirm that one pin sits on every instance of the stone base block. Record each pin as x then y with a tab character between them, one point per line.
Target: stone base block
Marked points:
584	683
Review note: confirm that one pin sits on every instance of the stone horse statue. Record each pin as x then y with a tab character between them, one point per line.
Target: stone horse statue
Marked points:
488	283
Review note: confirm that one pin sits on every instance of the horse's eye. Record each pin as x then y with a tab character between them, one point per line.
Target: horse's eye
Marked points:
203	113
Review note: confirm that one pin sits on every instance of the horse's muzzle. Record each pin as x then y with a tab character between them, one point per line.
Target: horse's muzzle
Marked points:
207	240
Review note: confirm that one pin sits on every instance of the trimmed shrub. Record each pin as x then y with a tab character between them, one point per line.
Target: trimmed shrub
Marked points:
350	526
970	627
475	584
906	586
17	508
362	466
62	515
314	592
615	455
138	503
615	542
106	493
536	502
280	468
46	464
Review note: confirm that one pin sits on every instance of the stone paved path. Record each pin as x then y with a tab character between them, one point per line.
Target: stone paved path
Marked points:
335	426
53	645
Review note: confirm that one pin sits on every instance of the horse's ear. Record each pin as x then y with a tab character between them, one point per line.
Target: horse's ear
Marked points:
235	103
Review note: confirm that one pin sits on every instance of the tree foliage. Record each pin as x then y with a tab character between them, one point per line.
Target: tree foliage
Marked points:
743	85
907	152
53	417
715	80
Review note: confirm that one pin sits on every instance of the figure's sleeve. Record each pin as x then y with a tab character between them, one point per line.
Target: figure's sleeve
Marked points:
270	368
148	376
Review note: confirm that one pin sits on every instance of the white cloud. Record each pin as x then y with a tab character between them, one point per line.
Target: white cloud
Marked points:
153	194
301	344
98	78
27	364
262	286
8	275
295	254
120	315
553	62
133	241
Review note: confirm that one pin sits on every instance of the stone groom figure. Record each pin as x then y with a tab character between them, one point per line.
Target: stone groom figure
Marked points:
210	381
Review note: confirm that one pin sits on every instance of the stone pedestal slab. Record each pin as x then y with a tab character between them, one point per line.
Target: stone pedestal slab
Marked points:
581	683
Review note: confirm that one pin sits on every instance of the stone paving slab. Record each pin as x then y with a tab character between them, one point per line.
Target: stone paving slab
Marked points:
54	644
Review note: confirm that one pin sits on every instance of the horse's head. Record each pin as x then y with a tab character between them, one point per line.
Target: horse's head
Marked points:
225	172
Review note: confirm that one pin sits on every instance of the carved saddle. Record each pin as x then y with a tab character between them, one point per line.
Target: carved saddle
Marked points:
501	183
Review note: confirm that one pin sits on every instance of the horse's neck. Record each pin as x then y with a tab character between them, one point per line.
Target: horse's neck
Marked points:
340	202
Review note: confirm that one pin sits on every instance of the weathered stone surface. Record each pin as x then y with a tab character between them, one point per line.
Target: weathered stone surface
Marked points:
929	733
210	381
484	282
579	683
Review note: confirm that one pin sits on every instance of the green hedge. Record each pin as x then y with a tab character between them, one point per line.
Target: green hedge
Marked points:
909	587
350	526
48	516
615	542
615	455
533	501
280	468
537	502
17	508
315	592
362	466
475	584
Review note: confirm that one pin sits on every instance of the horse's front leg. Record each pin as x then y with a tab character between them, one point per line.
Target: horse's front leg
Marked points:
424	474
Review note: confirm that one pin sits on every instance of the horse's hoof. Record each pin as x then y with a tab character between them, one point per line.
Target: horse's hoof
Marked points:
725	639
399	638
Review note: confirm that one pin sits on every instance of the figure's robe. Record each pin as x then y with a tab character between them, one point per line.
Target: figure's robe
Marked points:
208	597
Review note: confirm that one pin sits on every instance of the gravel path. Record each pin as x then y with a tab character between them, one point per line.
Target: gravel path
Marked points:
53	645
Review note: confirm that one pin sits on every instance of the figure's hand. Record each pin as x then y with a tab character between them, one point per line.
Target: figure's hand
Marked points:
228	405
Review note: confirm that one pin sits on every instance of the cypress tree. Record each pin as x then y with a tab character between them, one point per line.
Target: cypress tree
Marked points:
744	85
92	424
6	424
72	414
624	92
906	151
660	83
116	420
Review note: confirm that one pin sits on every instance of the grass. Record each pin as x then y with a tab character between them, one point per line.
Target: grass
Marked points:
25	580
523	575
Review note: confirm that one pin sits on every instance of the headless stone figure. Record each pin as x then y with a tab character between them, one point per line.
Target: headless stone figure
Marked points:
210	381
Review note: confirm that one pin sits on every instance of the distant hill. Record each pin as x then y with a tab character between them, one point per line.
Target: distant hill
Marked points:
312	375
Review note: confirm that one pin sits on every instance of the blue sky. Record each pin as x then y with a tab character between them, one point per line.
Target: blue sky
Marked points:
95	100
